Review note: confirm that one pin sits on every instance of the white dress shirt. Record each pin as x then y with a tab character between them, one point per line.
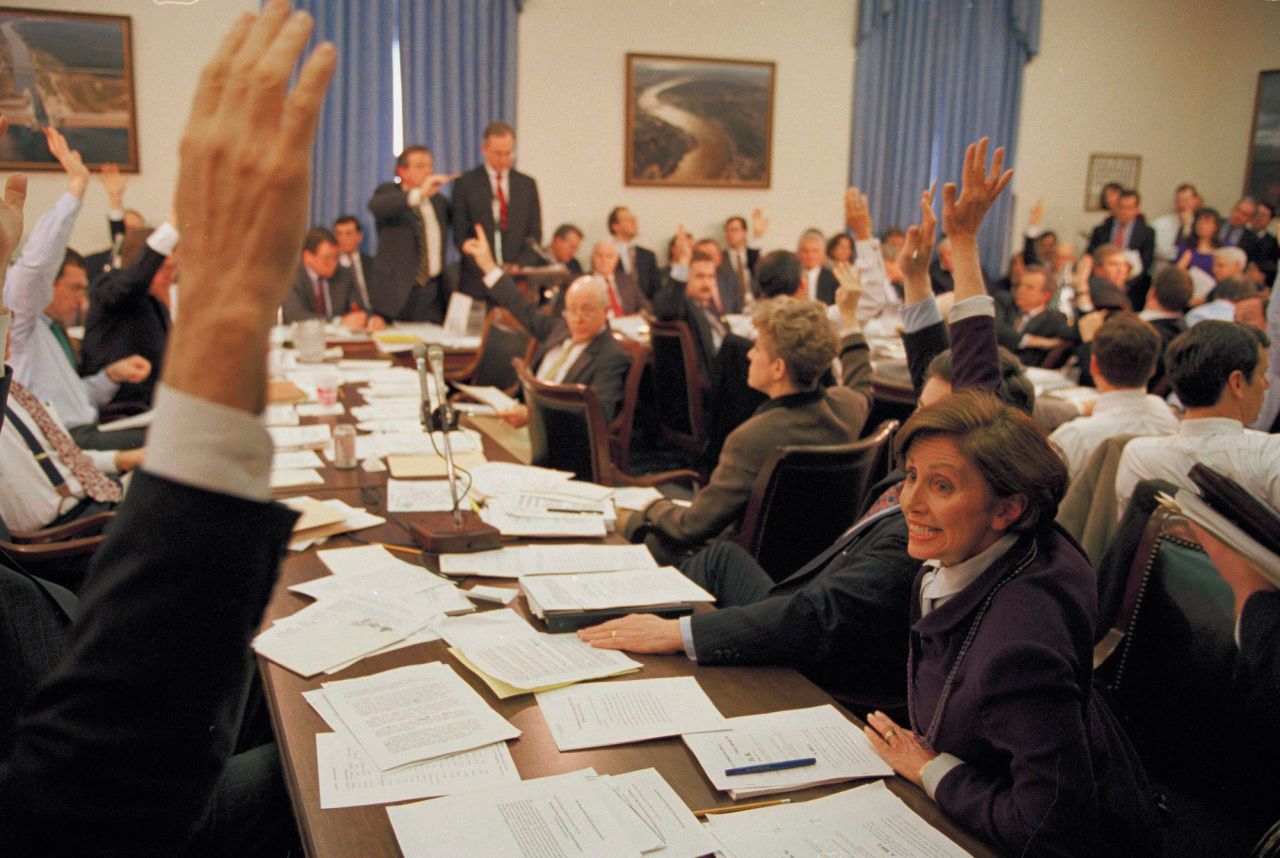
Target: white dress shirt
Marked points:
1117	412
553	368
1250	458
37	358
352	261
431	227
811	282
28	501
879	298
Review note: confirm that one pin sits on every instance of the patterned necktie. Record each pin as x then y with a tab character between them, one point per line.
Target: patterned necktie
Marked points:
322	298
61	336
553	371
96	484
502	206
615	306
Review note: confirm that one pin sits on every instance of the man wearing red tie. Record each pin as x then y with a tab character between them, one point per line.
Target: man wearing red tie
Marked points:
625	296
502	201
322	290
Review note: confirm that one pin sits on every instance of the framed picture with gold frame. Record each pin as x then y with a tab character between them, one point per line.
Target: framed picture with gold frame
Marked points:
1105	168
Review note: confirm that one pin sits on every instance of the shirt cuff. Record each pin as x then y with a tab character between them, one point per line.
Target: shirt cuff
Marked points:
209	446
491	279
103	460
686	637
917	317
1034	232
116	215
415	198
978	305
937	769
866	245
164	239
680	272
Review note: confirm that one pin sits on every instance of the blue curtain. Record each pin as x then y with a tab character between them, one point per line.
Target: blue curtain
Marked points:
458	68
353	142
932	76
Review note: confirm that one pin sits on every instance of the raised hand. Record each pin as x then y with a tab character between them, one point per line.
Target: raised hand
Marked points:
114	182
1037	212
759	223
15	196
857	214
917	250
683	250
963	209
72	164
478	249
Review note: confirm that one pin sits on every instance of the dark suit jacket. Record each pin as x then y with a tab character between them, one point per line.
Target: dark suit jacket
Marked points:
940	280
1167	329
1258	679
647	275
1048	323
730	288
1248	241
96	264
827	285
118	750
602	366
366	268
473	204
1142	238
838	619
395	268
629	295
300	301
1047	770
1267	256
126	319
575	267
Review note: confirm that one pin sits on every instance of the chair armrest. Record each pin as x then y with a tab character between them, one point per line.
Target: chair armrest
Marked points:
52	551
61	532
650	480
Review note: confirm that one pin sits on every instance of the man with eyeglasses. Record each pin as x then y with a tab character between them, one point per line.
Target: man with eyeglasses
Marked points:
576	348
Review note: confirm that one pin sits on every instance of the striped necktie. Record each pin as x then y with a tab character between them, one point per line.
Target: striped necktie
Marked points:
96	484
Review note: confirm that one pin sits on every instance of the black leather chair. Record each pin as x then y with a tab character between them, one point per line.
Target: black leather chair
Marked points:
679	378
568	432
804	497
620	428
60	553
501	340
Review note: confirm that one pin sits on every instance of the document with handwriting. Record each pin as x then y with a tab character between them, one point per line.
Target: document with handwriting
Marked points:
614	713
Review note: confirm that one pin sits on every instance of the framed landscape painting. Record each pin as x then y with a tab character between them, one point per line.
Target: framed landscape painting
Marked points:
698	123
71	71
1262	174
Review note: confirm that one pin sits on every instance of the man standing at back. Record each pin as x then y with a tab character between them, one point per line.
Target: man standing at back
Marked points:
412	220
501	200
637	261
1127	230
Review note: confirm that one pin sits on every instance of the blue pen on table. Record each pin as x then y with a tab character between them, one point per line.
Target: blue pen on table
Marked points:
772	767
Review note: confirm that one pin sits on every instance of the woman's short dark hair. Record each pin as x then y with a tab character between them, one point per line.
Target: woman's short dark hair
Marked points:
1015	388
836	239
1200	360
779	274
1009	449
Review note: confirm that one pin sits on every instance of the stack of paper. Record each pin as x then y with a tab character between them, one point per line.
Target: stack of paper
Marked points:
430	333
569	602
402	408
520	560
838	746
496	478
312	437
578	814
281	415
322	519
423	495
414	713
868	820
296	459
502	645
492	397
615	713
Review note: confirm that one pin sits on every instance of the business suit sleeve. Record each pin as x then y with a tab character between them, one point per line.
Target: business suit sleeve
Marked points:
388	201
297	304
1029	256
119	750
922	347
1260	663
975	363
535	219
855	364
669	301
462	211
506	294
610	378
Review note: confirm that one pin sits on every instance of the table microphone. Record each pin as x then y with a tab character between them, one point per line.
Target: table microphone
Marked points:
435	356
427	408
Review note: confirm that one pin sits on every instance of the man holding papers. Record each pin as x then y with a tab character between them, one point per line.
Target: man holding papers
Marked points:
123	748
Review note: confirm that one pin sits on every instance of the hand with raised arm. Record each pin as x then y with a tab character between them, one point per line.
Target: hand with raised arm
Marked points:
857	214
72	164
478	249
917	250
239	238
113	181
963	211
759	223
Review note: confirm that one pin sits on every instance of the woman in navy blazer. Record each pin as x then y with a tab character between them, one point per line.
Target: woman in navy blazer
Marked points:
1006	733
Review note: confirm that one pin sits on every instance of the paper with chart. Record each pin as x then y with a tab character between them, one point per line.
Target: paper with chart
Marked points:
415	713
866	822
567	816
614	713
347	779
839	746
516	561
501	644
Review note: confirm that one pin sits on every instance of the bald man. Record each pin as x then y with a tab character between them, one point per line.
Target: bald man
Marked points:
575	347
624	296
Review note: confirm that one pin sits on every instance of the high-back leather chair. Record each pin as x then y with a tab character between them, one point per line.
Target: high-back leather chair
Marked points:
804	497
501	340
678	377
620	428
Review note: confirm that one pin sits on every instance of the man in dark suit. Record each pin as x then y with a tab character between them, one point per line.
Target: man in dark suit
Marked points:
624	297
349	235
1128	230
1027	325
501	200
1235	231
120	221
740	257
321	290
637	261
564	247
576	347
412	220
728	297
129	311
1268	252
124	746
820	282
1167	302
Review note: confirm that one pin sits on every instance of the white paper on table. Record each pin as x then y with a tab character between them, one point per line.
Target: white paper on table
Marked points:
359	558
516	561
635	497
354	518
420	636
389	409
374	392
499	595
551	505
495	478
287	460
399	424
282	478
415	713
567	816
315	409
347	780
653	800
599	590
839	746
332	632
420	496
490	396
133	421
458	314
281	415
421	595
614	713
503	645
566	526
313	436
867	820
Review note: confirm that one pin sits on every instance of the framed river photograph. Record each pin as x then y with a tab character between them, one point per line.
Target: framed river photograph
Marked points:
698	123
1262	174
75	73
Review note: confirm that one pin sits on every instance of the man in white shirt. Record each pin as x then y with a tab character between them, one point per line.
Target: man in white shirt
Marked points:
820	283
1186	199
1123	358
1220	372
1231	290
879	307
741	254
635	260
624	296
412	219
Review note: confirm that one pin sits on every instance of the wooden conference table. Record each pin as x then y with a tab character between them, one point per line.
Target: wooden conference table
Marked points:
366	831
